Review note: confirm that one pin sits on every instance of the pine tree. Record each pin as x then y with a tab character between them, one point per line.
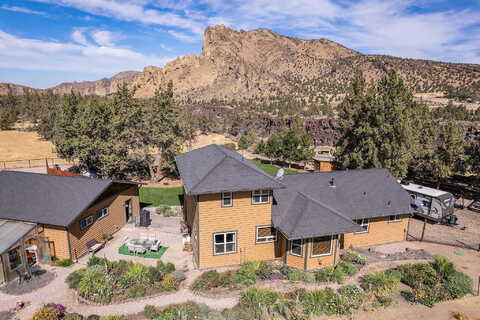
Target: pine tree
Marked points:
382	126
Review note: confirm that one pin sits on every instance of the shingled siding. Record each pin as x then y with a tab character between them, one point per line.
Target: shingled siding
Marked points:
243	217
381	230
109	224
58	239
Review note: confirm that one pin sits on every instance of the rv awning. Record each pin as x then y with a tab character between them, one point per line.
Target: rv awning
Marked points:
11	232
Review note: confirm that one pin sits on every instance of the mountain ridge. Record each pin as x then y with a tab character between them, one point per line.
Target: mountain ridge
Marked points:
261	64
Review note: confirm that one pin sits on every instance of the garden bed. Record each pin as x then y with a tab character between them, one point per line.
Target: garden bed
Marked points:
105	282
214	283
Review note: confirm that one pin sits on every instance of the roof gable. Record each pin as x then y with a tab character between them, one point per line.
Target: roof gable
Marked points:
213	169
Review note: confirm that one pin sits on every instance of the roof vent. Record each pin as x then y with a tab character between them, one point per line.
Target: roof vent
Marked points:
332	182
365	193
389	203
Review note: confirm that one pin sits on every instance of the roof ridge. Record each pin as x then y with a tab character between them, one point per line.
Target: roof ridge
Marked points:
55	175
325	206
208	173
245	165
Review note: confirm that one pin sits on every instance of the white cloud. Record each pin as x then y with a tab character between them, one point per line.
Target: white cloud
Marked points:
104	38
79	36
32	54
22	10
183	36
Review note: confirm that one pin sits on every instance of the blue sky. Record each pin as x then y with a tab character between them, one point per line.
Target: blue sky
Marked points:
45	42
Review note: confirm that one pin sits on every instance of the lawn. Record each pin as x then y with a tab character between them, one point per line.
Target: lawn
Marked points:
161	196
271	169
149	254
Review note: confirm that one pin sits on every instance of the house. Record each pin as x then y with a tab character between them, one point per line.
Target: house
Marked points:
236	213
68	213
324	159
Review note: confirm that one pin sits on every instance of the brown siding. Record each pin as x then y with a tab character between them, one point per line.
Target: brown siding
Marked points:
295	261
323	261
243	217
324	166
190	208
109	224
58	240
380	231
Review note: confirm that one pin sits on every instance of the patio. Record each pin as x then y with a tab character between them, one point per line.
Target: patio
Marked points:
164	229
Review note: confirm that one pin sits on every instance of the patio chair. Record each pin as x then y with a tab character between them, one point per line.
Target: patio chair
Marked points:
155	246
131	248
140	250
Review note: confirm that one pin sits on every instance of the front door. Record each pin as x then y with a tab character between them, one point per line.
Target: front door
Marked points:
128	209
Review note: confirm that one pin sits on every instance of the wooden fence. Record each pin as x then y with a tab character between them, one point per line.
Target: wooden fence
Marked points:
32	163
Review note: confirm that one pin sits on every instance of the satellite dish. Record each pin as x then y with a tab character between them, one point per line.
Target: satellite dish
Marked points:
280	174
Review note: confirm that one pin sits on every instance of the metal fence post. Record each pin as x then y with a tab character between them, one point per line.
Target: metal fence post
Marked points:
478	286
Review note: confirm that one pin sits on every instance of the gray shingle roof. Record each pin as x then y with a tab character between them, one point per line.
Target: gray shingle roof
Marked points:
310	206
213	169
11	232
47	199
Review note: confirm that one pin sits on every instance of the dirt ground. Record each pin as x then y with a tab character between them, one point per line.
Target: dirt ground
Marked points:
20	145
465	234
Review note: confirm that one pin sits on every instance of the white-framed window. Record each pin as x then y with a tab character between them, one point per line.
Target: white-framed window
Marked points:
14	258
224	243
227	199
85	222
266	234
365	224
260	196
103	213
322	246
296	247
395	218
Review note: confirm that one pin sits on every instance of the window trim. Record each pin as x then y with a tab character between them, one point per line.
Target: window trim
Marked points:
275	236
19	251
223	197
88	224
301	248
225	243
259	193
322	254
100	212
396	218
361	224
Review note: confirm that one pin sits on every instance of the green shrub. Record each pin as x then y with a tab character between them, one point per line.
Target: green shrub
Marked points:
73	279
94	261
295	275
330	274
458	285
353	295
114	317
186	311
170	283
95	286
381	283
136	274
264	271
165	267
259	302
106	236
309	277
285	270
93	317
64	262
150	312
246	275
353	257
348	268
154	275
73	316
167	211
136	292
325	301
443	266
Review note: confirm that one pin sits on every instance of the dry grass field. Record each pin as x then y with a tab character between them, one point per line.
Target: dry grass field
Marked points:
23	145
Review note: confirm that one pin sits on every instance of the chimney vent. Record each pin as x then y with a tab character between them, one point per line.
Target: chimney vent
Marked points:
332	182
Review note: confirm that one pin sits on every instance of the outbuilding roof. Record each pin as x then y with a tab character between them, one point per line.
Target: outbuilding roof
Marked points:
47	199
214	169
324	203
11	232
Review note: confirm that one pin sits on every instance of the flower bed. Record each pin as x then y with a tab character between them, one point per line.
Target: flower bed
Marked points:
104	281
253	271
434	282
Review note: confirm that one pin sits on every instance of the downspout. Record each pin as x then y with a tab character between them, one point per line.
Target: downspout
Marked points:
305	262
3	269
335	251
70	245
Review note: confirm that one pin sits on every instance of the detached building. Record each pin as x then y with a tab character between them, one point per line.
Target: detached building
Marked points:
48	216
236	212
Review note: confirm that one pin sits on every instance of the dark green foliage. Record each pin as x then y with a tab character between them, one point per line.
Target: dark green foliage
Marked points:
354	296
64	263
382	126
73	316
93	317
247	139
165	267
8	111
382	283
136	292
259	302
73	279
185	311
330	274
458	284
347	268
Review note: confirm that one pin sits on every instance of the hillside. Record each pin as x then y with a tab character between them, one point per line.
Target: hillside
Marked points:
241	65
